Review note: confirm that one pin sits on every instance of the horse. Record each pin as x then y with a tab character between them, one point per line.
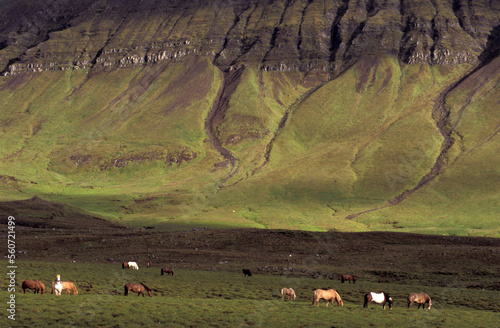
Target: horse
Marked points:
57	286
167	271
347	277
138	288
69	287
35	285
328	295
149	264
420	299
125	265
133	265
380	298
247	272
288	292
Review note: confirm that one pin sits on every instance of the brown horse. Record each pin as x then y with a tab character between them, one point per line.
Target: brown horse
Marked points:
329	295
420	299
138	288
149	264
289	293
167	271
347	277
125	265
35	285
67	286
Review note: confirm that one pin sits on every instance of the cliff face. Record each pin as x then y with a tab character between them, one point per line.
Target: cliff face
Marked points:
286	35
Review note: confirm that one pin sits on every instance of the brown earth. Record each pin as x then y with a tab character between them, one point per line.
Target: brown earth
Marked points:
54	232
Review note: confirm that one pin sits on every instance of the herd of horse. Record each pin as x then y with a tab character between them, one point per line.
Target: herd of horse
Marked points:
329	295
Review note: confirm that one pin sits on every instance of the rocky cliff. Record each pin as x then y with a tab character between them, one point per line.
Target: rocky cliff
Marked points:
286	35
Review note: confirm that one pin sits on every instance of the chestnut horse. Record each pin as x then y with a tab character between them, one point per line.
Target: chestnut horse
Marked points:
289	293
347	277
138	288
329	295
67	286
167	271
36	285
420	299
380	298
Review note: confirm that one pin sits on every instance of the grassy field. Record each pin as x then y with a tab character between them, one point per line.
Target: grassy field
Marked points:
200	298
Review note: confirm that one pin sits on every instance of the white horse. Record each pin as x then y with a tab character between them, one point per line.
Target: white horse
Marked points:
133	265
58	287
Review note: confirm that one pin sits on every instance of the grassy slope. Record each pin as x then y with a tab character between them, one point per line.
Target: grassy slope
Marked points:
130	144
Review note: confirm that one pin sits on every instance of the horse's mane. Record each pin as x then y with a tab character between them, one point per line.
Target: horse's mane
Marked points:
147	288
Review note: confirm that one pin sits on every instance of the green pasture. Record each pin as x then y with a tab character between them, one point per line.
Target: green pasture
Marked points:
196	298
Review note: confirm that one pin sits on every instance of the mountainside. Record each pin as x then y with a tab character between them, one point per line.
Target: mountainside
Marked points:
314	115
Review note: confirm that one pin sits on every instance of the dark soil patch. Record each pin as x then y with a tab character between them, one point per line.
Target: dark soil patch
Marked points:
48	231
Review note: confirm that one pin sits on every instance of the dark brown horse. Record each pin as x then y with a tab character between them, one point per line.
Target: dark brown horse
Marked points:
347	277
138	288
420	299
35	285
247	272
167	271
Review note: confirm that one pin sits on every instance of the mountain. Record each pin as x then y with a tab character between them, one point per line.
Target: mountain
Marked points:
314	114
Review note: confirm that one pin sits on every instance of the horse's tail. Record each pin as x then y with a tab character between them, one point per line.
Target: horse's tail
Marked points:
342	279
162	272
126	291
315	298
338	299
365	304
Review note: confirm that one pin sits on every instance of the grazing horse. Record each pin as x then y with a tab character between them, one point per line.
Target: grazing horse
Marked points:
149	264
57	286
67	286
347	277
328	295
247	272
380	298
138	288
133	265
167	271
420	299
36	285
288	292
130	265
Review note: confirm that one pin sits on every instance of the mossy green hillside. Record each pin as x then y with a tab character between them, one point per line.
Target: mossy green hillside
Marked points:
131	144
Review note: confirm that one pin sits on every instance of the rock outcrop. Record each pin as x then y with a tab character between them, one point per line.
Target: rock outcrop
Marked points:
286	35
